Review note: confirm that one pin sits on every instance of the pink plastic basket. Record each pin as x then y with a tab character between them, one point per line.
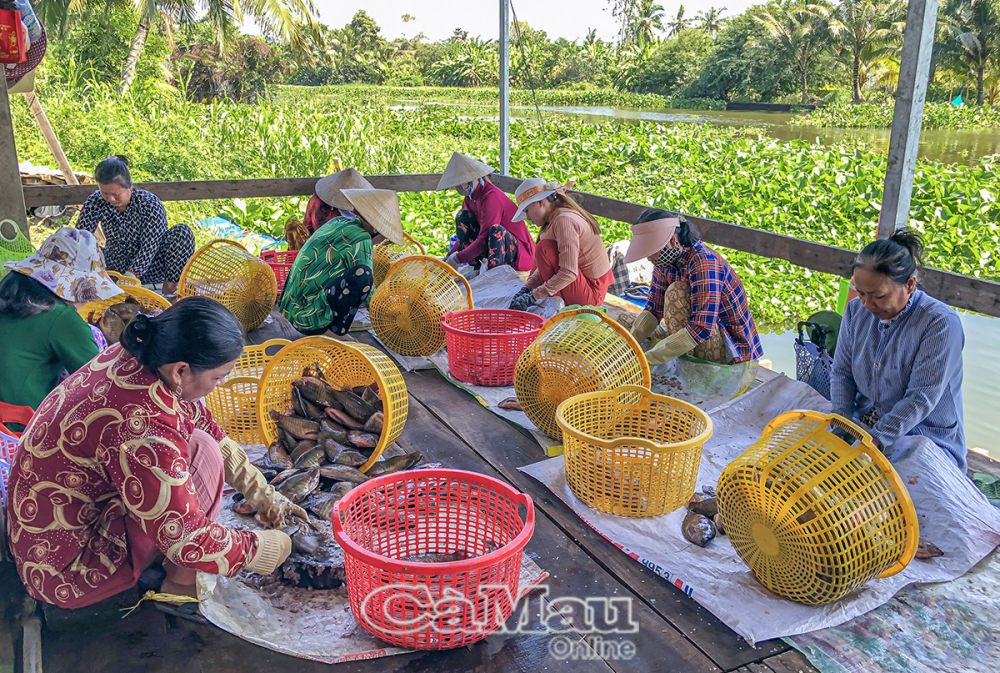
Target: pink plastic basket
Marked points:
484	344
281	263
383	524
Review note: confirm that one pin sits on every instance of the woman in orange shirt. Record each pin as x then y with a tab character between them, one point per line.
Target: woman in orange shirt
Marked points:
570	259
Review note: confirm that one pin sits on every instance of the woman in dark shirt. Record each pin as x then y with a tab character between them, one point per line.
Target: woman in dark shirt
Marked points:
135	226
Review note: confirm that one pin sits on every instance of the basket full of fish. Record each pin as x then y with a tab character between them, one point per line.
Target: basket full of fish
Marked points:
113	315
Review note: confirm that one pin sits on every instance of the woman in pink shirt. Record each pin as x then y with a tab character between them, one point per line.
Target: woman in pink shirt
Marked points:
484	228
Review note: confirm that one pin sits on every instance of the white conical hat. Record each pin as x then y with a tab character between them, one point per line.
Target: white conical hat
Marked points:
330	189
380	209
462	169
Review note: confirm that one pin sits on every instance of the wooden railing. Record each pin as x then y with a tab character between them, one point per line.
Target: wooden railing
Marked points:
964	292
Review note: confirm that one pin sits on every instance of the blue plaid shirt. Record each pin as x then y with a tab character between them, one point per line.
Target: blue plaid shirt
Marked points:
718	300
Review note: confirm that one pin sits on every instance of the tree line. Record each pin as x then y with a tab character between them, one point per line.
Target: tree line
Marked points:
784	50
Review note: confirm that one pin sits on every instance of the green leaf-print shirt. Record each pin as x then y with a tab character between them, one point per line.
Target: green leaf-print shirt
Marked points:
335	247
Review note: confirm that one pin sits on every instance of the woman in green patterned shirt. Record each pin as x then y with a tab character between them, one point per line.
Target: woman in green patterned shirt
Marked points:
332	274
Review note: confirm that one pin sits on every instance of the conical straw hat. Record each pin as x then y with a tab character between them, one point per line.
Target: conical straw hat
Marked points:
462	169
330	188
380	209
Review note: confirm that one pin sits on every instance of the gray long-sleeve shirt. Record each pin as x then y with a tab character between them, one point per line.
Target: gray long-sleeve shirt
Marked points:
909	370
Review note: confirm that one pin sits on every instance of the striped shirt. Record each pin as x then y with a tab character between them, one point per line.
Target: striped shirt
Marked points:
908	371
718	300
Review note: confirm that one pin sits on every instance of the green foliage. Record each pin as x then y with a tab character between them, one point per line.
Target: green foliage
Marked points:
675	64
242	69
874	115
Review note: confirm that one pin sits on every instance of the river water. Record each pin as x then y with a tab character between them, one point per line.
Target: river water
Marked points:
981	389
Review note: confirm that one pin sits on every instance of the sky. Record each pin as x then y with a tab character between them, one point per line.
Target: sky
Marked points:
437	19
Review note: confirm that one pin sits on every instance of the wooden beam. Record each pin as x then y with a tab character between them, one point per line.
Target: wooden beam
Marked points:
11	196
50	137
908	114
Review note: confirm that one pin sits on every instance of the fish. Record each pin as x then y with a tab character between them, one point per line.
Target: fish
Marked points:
305	408
321	504
704	505
302	448
287	441
395	464
285	474
305	543
374	423
510	404
111	326
267	473
296	426
370	395
316	390
350	458
698	529
333	449
927	551
311	458
126	310
297	488
362	440
355	406
343	418
243	507
717	520
343	473
277	457
336	431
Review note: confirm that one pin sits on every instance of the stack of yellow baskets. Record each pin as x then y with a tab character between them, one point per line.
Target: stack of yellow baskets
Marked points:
813	516
579	351
234	402
631	452
343	365
406	309
226	272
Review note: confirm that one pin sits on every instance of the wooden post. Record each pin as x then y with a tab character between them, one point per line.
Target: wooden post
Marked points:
11	194
504	87
50	137
908	114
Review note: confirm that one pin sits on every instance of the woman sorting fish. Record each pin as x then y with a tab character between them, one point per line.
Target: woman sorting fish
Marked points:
485	232
695	293
44	335
123	466
898	364
570	260
332	274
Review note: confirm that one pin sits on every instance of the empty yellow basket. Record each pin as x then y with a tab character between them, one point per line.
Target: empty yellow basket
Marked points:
813	516
343	364
578	351
233	403
385	254
226	272
406	309
630	451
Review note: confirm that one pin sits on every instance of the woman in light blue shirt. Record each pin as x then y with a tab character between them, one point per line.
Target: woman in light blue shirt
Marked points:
898	365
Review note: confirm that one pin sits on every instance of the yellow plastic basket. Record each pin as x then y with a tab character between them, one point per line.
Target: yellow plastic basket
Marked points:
406	309
579	351
813	516
122	280
630	451
343	364
226	272
149	300
385	254
234	402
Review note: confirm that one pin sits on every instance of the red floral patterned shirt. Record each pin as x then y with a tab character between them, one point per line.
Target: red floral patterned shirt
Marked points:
110	444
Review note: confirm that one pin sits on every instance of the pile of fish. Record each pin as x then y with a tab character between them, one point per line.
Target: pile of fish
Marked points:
322	441
702	522
116	318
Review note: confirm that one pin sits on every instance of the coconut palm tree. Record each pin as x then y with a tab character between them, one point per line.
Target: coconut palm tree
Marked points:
800	29
647	20
710	20
678	23
867	30
973	29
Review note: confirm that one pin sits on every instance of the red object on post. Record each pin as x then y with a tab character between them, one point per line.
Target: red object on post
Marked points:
13	39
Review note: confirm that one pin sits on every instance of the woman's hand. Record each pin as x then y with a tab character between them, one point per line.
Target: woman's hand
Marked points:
279	510
539	293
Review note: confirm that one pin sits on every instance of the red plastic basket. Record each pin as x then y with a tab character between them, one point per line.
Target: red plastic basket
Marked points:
386	522
484	344
281	263
8	440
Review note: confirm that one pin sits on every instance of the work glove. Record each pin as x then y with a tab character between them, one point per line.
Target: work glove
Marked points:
678	343
644	326
273	548
272	506
522	300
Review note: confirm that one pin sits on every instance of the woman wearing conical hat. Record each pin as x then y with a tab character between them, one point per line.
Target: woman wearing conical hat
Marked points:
332	274
484	229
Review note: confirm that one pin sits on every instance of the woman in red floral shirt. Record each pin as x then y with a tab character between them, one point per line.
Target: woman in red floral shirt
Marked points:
122	465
